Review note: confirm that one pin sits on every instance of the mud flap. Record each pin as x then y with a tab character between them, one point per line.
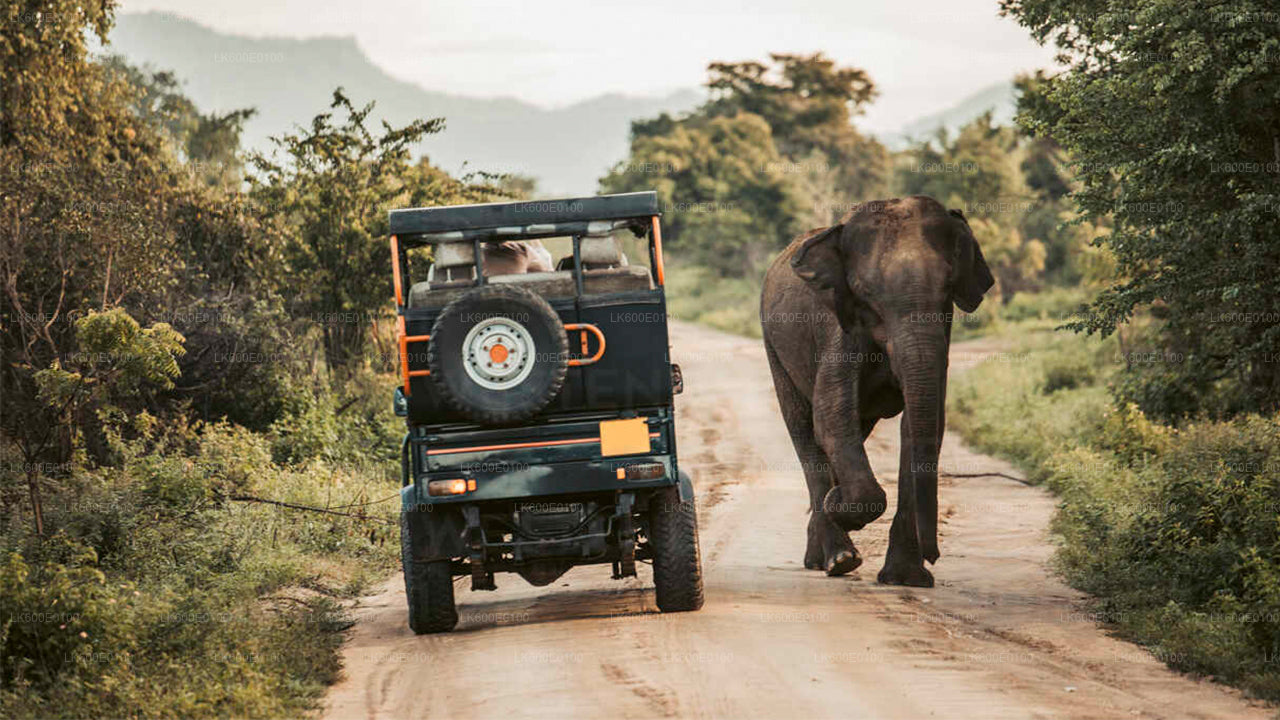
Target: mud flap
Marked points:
686	487
481	578
625	566
437	530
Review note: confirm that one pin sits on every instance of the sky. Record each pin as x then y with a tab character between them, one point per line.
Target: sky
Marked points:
924	55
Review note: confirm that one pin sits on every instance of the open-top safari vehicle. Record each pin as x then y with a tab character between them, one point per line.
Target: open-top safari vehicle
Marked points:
539	404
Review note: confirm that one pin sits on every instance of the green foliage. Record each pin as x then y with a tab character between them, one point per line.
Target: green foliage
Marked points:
111	380
697	294
329	199
1010	191
169	412
154	584
1064	372
771	154
1169	112
210	144
1052	303
809	103
720	209
1172	529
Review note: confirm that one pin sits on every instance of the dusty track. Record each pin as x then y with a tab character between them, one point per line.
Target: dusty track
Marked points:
997	638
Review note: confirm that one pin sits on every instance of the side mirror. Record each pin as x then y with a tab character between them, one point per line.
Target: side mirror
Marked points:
400	403
677	380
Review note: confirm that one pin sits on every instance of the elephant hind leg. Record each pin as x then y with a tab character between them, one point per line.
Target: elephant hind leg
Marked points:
829	548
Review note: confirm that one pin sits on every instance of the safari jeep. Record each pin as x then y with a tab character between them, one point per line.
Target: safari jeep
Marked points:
541	431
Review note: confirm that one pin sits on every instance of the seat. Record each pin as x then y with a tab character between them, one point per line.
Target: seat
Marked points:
600	253
605	270
454	268
626	278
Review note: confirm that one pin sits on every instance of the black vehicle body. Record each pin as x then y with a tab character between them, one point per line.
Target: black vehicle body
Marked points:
544	494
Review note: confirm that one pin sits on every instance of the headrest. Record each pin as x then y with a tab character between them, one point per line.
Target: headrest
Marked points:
600	252
454	254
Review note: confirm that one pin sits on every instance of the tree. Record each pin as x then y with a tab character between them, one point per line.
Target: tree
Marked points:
208	143
84	190
1170	114
810	104
774	152
329	198
980	172
719	209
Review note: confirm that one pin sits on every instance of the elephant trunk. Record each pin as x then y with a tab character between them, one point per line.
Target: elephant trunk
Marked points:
922	371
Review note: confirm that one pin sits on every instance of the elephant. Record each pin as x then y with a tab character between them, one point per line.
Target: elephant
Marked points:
857	327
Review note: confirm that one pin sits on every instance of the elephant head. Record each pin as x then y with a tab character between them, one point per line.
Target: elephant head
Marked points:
894	269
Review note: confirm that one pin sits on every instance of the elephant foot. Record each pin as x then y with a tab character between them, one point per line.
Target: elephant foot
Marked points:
905	573
814	559
843	562
854	513
829	548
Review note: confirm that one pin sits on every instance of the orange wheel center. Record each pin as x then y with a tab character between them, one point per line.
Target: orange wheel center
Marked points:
498	353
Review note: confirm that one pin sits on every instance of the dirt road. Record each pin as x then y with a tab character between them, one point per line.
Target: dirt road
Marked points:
998	637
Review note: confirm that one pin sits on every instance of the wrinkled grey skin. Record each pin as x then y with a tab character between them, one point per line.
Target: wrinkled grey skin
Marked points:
857	327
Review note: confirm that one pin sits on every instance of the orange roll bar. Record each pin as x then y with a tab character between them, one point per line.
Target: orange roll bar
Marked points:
395	269
585	328
657	249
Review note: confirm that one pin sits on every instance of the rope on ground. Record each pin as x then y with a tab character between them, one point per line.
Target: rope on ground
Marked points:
309	508
985	474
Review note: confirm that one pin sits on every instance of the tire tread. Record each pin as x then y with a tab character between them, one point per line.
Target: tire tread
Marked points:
677	564
428	587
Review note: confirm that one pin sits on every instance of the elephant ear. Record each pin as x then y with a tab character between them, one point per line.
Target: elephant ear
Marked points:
820	262
971	278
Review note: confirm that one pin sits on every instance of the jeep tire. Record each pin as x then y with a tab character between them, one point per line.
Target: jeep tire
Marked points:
498	354
428	587
673	539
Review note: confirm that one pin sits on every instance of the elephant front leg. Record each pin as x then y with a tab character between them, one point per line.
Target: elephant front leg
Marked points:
857	499
904	563
828	548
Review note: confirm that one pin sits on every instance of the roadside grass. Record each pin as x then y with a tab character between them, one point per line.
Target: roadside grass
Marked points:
1173	530
696	294
160	589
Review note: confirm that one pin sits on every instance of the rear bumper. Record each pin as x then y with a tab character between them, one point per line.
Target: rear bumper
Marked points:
561	457
514	482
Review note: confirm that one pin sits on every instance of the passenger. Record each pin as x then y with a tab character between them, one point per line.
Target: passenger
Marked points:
516	257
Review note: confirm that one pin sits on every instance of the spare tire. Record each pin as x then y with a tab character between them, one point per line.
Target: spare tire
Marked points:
498	354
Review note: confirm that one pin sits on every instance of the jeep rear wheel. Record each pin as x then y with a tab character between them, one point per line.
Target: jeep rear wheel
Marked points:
673	538
498	354
428	586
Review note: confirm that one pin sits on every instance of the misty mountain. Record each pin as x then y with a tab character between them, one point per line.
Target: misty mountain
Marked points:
1000	99
290	80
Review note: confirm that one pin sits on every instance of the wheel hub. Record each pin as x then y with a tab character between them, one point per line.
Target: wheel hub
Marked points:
498	353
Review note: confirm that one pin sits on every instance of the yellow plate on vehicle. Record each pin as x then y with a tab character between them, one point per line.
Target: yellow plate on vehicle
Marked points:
624	437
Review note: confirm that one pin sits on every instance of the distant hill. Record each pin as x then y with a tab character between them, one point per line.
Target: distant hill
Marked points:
288	81
1000	98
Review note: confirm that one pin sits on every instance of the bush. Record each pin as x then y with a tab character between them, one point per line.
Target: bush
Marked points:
170	599
1172	529
1054	303
697	294
1065	371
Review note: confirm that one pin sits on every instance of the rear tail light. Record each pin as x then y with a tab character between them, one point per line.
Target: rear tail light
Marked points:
642	471
457	486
